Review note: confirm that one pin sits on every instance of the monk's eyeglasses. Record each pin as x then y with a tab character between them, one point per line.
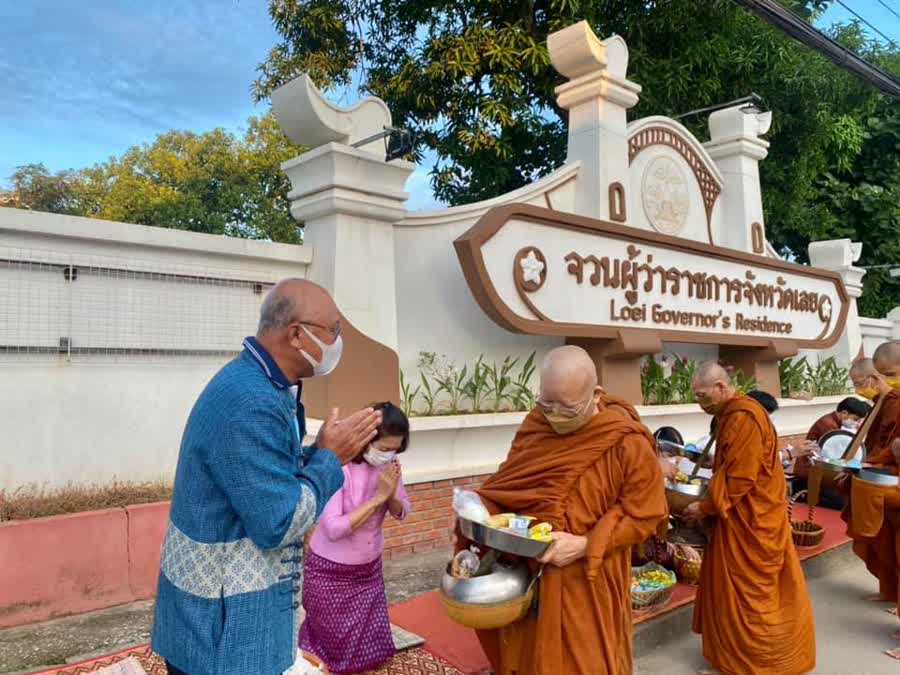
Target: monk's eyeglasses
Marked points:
563	410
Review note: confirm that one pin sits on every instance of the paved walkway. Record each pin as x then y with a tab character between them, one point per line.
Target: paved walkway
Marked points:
87	636
851	633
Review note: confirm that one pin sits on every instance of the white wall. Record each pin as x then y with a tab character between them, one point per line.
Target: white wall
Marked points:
151	315
466	445
874	333
435	308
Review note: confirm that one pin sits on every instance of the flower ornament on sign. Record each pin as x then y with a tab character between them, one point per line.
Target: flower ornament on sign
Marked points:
530	274
532	268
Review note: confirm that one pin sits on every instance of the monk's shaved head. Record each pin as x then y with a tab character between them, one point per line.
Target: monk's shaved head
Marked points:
887	358
712	387
710	372
568	379
571	363
862	368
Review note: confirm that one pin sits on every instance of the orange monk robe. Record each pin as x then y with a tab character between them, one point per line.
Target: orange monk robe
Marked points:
752	606
884	431
877	546
602	482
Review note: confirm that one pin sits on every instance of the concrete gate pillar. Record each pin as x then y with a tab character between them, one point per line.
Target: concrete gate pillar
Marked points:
348	199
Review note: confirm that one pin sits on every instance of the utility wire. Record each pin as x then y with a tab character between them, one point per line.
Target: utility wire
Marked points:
860	17
798	29
889	8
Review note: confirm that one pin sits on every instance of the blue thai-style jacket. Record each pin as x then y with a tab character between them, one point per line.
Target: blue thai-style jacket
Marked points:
246	492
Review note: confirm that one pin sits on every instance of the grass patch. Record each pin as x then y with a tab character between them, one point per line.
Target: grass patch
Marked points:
34	501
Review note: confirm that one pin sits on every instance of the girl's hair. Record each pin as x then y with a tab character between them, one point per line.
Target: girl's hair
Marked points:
393	423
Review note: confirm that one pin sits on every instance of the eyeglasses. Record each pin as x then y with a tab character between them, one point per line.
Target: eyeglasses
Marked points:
334	331
562	409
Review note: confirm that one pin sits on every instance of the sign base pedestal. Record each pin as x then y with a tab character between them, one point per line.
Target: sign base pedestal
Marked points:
618	361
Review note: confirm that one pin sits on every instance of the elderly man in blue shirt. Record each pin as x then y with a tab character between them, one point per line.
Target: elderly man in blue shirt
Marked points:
246	492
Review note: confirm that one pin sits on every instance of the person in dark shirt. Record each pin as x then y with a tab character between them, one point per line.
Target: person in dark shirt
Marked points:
849	415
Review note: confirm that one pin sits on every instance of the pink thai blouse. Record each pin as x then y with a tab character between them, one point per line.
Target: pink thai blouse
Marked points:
333	539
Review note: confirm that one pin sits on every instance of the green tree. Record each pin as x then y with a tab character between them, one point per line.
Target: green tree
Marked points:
215	182
34	187
474	79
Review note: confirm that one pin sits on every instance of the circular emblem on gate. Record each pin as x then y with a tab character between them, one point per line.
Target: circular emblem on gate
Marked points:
665	195
530	269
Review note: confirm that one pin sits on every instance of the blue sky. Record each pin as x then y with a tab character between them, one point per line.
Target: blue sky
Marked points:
82	80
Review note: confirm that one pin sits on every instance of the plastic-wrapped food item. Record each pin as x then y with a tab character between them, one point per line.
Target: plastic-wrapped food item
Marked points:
468	505
520	524
465	564
500	521
541	532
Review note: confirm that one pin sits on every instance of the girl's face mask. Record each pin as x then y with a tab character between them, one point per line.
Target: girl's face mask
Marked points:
378	458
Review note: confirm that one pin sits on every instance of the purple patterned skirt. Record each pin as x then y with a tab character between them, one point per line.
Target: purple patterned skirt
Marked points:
346	622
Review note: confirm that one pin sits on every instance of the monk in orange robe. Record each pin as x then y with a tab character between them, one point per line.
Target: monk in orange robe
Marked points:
752	607
883	379
868	523
583	463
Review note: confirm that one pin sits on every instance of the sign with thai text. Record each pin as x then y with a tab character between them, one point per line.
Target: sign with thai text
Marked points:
545	272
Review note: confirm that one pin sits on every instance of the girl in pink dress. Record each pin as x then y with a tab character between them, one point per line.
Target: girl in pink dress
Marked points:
347	622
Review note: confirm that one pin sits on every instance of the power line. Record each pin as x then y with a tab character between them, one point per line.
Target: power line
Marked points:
858	16
889	8
795	27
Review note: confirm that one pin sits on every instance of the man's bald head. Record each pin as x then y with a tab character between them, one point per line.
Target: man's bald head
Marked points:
568	381
291	300
712	387
296	314
887	359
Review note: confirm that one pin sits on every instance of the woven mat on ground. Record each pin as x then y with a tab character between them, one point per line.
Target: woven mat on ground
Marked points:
410	660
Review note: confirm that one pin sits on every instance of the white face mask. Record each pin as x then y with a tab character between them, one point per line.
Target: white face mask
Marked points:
331	355
850	426
377	458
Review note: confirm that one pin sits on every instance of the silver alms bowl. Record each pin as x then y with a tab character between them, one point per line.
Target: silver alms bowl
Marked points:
679	495
507	581
502	541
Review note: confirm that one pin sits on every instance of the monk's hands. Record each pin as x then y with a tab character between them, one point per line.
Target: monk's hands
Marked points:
669	467
347	437
842	482
692	513
806	449
564	549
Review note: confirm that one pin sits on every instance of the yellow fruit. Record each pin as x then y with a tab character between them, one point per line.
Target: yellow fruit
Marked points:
541	528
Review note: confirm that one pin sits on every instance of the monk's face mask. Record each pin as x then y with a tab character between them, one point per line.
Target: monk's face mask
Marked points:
710	399
893	381
867	392
566	423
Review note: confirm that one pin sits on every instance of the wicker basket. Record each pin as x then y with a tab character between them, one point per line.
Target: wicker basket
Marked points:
688	569
643	601
806	533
